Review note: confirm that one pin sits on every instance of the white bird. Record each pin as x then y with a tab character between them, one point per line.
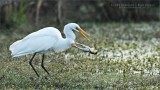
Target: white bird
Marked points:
46	39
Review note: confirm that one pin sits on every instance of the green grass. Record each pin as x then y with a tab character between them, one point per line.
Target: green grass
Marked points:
128	58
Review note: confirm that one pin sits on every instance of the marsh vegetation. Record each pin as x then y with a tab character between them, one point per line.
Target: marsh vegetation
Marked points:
128	58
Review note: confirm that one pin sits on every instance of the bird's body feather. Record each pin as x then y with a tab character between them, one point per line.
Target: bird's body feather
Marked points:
48	38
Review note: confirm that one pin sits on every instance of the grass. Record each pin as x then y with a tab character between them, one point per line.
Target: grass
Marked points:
128	58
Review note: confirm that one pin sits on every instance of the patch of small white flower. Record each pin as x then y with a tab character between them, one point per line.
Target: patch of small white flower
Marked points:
145	54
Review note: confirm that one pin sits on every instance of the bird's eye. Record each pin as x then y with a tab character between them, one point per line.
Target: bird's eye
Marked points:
77	28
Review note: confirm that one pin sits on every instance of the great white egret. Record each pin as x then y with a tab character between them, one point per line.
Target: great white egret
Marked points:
46	39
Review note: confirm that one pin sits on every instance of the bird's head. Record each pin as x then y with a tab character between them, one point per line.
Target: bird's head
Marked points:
76	27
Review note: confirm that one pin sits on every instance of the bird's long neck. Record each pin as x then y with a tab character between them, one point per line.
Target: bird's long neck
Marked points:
65	43
69	33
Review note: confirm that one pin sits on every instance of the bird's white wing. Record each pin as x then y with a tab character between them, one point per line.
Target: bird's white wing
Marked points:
48	31
38	41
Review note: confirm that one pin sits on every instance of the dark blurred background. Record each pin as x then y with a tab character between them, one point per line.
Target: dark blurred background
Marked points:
59	12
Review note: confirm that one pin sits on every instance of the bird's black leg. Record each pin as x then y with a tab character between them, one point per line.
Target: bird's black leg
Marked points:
42	65
30	62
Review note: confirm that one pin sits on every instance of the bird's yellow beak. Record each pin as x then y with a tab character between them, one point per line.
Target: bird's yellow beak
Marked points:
85	34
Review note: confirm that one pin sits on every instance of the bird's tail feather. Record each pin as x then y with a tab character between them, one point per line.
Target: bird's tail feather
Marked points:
14	46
